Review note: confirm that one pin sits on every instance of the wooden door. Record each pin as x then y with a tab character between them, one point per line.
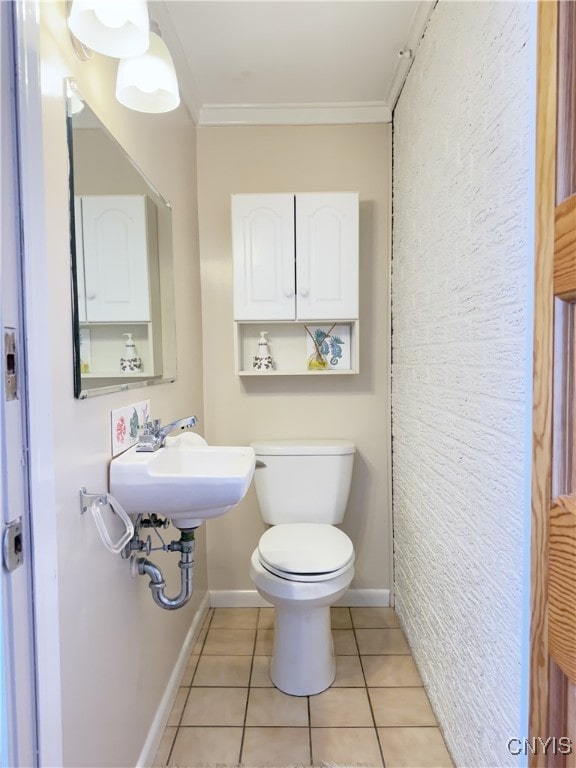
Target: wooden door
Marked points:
553	627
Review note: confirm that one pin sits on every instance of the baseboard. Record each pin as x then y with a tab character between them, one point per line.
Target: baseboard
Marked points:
156	731
249	598
237	598
365	598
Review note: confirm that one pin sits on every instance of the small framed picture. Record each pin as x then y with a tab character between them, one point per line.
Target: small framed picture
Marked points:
331	342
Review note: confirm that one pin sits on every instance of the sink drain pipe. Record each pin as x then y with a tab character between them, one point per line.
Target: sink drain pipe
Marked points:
186	564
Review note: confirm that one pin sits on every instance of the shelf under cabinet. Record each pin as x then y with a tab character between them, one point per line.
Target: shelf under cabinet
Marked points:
102	345
304	372
117	375
289	347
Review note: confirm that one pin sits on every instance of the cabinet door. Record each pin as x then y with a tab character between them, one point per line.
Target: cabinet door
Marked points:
263	247
327	256
115	258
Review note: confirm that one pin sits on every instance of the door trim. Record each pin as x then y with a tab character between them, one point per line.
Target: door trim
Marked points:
38	351
542	373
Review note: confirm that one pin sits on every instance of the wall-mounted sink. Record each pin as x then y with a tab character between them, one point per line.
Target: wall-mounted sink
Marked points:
186	480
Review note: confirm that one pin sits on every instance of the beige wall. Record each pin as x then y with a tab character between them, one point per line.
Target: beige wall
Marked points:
299	159
117	648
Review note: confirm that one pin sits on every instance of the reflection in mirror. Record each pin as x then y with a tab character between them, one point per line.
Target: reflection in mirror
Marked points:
122	263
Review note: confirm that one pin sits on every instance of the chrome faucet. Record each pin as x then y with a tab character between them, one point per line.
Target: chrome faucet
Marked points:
153	435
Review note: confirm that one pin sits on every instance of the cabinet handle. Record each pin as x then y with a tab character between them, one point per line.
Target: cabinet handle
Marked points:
90	294
288	292
303	292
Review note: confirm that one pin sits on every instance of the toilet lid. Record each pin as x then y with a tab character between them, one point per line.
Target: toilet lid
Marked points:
311	550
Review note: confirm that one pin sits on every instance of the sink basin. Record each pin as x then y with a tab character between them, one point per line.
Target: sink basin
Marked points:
186	480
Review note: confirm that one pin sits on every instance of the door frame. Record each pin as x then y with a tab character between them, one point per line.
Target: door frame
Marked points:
542	371
542	687
37	388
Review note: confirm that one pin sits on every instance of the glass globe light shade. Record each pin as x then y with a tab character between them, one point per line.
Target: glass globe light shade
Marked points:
115	28
148	83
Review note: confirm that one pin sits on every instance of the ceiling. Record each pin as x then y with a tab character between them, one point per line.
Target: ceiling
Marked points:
291	61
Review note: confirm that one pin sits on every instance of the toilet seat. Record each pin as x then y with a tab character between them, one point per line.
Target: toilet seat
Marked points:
305	551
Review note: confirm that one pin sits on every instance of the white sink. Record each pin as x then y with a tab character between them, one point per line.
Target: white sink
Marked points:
186	480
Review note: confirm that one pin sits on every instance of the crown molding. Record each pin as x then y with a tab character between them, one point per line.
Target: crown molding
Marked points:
295	114
290	114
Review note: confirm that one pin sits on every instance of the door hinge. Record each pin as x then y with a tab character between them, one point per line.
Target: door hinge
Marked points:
12	545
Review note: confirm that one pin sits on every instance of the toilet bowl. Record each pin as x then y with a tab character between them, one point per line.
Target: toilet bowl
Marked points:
303	563
303	661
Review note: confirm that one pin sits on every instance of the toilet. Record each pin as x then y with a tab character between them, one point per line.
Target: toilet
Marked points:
303	563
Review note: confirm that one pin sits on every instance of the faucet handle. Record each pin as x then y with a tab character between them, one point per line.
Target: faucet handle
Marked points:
153	435
147	442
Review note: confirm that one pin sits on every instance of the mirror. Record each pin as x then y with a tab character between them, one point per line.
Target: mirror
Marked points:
122	264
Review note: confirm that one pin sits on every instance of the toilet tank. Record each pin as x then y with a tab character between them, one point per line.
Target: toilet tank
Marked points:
303	481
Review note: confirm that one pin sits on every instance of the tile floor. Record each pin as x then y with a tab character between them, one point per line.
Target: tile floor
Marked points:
227	712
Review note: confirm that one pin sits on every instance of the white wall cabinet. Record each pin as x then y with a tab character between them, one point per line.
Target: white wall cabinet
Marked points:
295	261
295	256
118	281
118	242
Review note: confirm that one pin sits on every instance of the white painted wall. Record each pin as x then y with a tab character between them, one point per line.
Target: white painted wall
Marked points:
118	649
238	410
462	327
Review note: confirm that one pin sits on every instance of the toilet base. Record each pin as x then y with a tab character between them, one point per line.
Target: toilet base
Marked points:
291	670
303	661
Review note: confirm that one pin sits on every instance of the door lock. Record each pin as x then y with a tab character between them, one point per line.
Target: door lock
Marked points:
10	367
12	548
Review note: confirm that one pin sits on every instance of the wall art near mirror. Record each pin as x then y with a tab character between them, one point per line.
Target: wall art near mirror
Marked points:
122	263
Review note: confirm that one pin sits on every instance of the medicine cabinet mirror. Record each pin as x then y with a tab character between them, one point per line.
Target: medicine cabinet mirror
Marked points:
122	262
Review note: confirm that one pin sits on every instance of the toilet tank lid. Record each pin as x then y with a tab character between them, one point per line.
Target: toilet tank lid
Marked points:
308	447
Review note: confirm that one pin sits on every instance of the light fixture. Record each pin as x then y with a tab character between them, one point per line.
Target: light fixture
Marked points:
115	28
148	83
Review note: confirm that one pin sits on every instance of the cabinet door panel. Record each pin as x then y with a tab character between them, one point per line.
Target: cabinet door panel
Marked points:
263	244
115	258
327	256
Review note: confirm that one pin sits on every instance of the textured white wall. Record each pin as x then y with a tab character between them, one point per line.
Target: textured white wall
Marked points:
462	325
